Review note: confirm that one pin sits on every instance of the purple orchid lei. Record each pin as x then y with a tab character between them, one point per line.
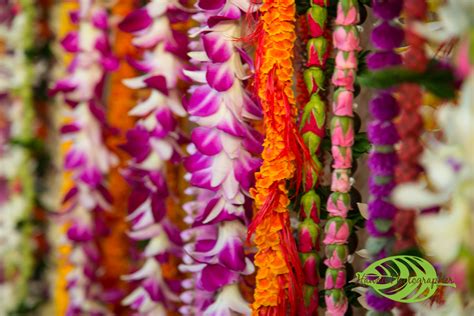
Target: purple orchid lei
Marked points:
152	143
88	159
386	36
221	164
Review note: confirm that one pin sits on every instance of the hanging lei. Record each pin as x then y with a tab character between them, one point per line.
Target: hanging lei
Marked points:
87	159
116	246
16	165
151	144
410	125
382	133
312	129
63	246
279	277
337	229
221	163
410	121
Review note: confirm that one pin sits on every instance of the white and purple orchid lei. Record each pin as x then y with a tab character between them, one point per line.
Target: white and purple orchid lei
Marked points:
152	143
88	159
221	164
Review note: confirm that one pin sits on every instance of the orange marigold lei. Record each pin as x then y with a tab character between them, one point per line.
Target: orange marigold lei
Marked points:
279	275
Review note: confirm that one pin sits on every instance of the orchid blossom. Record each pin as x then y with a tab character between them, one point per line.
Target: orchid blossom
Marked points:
221	162
152	143
88	159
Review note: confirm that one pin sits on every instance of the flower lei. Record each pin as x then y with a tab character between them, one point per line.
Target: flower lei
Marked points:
279	276
151	144
16	173
121	99
87	159
447	161
221	162
382	133
312	129
410	121
63	246
337	229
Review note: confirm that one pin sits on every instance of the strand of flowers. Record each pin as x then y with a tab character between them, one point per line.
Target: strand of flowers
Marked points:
151	144
447	234
410	121
221	163
312	129
63	246
382	133
26	171
410	125
279	279
16	172
121	99
337	228
88	159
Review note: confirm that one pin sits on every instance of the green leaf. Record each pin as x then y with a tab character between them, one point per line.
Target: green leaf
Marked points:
387	78
302	6
361	145
366	2
471	47
329	69
326	143
361	62
435	79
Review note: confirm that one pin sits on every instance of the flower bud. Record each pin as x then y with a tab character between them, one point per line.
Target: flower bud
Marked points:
318	51
317	17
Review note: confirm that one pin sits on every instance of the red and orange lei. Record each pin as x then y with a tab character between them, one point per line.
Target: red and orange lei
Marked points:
279	275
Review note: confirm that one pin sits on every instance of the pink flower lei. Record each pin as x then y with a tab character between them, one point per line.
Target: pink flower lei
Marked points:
337	229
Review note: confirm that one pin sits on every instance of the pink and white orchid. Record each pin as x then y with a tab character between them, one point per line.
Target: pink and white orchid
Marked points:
221	161
88	159
152	143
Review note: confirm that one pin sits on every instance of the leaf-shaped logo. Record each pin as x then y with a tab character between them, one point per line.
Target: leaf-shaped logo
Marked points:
406	279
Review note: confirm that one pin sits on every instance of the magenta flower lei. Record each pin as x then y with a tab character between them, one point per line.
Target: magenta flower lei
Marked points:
221	163
382	132
88	158
337	229
152	143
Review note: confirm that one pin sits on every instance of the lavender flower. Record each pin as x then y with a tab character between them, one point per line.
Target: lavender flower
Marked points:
386	36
